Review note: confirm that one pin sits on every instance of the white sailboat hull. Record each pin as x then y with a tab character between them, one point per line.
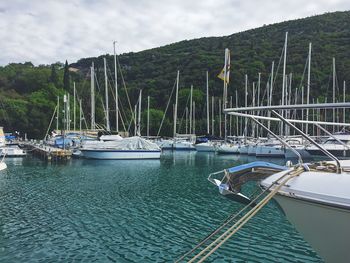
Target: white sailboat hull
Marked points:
12	152
252	150
243	149
205	147
120	154
269	151
325	228
227	148
184	145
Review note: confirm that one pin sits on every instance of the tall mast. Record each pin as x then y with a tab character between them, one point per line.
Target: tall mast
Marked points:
271	89
106	94
68	112
259	79
139	117
191	108
308	89
186	113
246	103
92	81
224	102
208	104
253	104
231	116
212	116
58	110
80	115
116	89
74	113
284	77
237	126
176	97
344	87
147	116
333	92
220	134
194	118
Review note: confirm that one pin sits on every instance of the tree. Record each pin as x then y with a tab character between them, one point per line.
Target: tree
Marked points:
54	77
66	77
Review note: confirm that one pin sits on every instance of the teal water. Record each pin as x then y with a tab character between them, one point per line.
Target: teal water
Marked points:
131	211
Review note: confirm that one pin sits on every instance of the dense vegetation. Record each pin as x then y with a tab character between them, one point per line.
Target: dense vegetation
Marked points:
28	93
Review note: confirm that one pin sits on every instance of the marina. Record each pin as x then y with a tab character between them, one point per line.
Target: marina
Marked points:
219	148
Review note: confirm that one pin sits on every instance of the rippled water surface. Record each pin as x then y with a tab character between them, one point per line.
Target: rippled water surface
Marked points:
131	211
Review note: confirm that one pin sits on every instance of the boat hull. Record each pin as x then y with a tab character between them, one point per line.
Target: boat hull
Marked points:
324	227
120	155
228	149
269	151
205	147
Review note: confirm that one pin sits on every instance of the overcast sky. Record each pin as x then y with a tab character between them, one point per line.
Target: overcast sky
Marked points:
46	31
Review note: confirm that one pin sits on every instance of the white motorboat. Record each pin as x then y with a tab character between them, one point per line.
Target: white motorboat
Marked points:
128	148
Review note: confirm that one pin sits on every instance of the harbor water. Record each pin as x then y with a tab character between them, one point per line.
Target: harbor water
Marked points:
132	211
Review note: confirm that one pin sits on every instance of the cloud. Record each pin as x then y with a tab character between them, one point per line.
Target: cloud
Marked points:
48	31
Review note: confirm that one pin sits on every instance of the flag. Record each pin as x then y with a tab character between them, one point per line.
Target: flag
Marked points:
225	72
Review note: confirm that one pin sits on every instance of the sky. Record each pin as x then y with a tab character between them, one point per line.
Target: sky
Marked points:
47	31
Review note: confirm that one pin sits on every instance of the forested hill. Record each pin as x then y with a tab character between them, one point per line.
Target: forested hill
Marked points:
28	93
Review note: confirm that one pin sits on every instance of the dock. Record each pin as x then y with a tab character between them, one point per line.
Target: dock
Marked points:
47	152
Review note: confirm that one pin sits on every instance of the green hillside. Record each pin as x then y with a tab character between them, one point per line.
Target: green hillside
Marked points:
28	93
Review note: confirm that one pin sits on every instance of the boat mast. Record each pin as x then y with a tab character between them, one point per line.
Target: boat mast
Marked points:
80	115
284	77
231	116
344	87
74	113
139	117
253	112
186	113
208	129
308	89
68	113
271	89
246	104
259	78
106	94
194	118
92	81
147	116
333	92
58	110
224	102
212	116
176	97
116	89
220	118
191	108
237	125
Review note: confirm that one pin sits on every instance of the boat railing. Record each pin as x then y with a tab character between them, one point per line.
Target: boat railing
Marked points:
237	112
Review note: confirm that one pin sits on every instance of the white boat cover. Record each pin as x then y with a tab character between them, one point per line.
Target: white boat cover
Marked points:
131	143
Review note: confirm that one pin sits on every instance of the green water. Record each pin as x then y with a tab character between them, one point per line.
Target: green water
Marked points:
131	211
